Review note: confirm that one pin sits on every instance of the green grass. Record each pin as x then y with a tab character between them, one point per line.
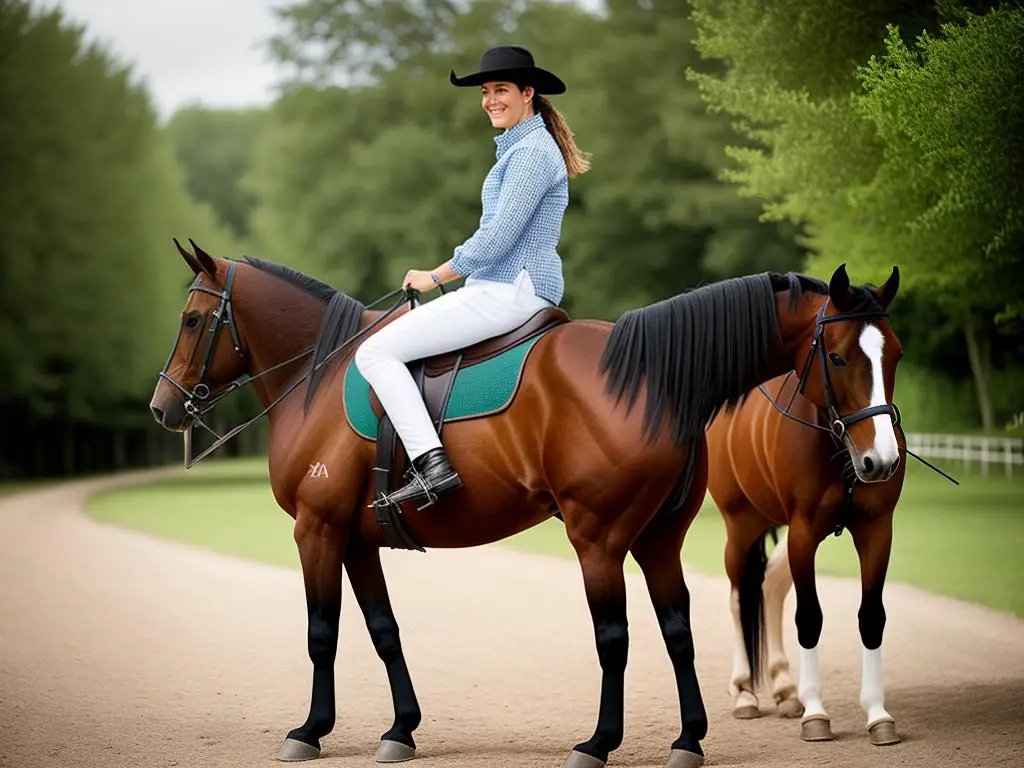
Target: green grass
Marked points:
224	505
964	541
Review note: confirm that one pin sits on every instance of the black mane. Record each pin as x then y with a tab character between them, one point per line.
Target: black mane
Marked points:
340	323
697	351
798	285
862	298
310	285
706	348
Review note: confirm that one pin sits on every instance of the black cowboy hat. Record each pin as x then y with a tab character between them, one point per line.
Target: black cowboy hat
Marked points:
514	64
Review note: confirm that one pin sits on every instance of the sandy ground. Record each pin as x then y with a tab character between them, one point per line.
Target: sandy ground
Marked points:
117	649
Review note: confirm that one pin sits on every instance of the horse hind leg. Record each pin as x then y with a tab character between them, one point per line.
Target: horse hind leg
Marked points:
745	565
778	580
657	551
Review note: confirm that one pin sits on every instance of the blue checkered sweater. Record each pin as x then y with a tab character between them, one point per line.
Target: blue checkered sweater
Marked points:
524	198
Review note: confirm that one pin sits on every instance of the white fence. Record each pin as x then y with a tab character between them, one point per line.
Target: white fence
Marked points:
968	449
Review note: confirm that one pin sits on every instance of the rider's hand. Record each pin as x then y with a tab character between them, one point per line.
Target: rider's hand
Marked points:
419	279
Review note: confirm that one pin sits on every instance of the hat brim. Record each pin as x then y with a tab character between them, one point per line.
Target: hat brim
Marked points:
542	81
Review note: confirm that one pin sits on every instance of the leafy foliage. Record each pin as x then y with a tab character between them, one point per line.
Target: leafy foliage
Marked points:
885	151
90	196
364	180
215	147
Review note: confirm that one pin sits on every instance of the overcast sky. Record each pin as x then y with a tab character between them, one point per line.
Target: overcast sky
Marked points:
187	51
209	52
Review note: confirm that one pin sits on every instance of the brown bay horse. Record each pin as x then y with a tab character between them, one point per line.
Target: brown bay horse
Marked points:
831	456
606	429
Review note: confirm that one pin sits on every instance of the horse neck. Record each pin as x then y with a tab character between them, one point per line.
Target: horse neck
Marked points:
276	322
282	322
796	330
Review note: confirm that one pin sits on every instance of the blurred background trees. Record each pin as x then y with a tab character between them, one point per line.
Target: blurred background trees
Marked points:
728	137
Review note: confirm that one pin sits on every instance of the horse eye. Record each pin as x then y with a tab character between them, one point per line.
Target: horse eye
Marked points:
836	360
192	321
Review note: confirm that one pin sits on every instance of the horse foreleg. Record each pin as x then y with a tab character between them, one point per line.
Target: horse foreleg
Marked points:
778	580
873	540
321	548
371	592
802	546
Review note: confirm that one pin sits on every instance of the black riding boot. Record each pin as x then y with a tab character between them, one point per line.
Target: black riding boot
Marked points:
431	475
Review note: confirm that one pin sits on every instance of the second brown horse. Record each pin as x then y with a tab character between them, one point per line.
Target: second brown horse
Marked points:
820	453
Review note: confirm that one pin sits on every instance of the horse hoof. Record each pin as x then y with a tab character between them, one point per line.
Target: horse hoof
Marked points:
680	758
583	760
394	752
747	712
791	708
293	751
816	729
883	733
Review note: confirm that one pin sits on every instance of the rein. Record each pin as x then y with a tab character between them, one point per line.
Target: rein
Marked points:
198	401
839	424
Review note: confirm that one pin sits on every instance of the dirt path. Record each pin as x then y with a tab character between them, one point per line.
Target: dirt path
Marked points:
117	649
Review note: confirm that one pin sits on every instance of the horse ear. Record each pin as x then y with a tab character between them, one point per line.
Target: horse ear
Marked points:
188	257
888	290
839	286
205	259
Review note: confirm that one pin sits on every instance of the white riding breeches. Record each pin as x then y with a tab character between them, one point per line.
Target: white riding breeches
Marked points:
480	310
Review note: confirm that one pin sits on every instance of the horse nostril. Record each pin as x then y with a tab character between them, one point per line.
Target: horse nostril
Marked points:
869	465
158	413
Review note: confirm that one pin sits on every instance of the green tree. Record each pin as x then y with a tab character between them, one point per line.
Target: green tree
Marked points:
360	183
364	173
215	147
90	284
655	217
912	158
355	41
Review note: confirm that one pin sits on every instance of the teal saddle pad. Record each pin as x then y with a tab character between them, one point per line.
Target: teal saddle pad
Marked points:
483	389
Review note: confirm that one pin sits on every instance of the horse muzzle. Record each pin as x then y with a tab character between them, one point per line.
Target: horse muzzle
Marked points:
872	468
169	412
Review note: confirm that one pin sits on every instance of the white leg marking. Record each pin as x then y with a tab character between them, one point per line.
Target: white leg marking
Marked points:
778	580
810	684
872	692
740	687
885	448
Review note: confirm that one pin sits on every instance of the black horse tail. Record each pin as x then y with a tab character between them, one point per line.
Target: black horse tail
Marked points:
752	605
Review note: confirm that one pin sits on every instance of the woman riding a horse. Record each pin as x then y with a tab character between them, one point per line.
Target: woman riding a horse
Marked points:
511	264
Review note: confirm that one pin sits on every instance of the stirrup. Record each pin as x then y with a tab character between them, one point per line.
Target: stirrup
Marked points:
414	477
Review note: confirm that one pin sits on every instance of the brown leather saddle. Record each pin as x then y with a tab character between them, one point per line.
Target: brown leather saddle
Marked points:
435	377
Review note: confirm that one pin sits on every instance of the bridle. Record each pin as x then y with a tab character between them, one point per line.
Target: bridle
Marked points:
197	400
839	424
200	400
